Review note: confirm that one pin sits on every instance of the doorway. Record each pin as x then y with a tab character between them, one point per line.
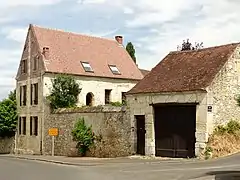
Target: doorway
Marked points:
175	126
140	120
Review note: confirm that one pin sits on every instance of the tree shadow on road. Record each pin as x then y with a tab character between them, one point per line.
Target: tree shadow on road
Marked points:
225	175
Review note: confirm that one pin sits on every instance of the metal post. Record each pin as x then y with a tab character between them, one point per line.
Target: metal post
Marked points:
52	145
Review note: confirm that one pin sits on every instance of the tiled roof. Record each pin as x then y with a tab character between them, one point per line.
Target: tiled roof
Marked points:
144	72
185	70
67	49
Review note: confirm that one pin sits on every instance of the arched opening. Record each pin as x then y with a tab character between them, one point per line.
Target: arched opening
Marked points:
89	99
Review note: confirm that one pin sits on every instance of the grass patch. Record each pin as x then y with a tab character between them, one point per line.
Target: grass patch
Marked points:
225	140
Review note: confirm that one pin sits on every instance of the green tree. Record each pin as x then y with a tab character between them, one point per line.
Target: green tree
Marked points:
131	51
65	91
8	115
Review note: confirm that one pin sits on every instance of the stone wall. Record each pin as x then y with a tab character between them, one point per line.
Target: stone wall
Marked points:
223	92
109	122
6	145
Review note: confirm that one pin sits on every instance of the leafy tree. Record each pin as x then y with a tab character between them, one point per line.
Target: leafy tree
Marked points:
8	115
131	51
83	135
187	46
65	91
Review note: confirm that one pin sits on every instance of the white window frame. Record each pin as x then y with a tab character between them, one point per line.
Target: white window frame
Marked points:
87	65
114	69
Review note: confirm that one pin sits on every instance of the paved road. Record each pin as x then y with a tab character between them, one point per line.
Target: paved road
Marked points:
223	169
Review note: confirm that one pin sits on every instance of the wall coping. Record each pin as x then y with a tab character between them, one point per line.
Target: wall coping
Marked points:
94	109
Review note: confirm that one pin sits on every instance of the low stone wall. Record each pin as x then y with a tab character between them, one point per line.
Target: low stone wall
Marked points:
111	123
6	145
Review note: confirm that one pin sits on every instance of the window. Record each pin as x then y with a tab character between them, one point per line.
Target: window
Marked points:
24	125
33	125
19	125
107	96
35	63
34	94
87	67
23	95
114	69
24	66
124	98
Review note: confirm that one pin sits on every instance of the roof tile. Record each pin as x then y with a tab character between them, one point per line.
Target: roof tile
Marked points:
185	70
67	49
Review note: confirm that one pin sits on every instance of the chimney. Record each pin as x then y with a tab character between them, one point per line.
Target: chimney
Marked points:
119	39
46	52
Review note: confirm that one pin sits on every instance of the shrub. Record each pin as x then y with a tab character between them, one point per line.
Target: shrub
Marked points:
117	104
208	152
83	135
65	91
232	127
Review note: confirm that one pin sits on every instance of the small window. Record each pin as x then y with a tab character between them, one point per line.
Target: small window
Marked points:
124	99
24	66
31	124
107	96
87	67
19	125
34	125
35	63
23	95
114	69
24	125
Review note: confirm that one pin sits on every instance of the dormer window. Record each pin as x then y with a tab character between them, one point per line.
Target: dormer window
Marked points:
114	69
87	67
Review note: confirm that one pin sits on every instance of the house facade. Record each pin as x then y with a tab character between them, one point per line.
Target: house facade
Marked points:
102	67
178	104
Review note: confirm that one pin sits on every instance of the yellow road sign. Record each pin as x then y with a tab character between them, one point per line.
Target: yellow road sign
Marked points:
53	131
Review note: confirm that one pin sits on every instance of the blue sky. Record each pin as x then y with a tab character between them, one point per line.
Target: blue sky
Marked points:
155	27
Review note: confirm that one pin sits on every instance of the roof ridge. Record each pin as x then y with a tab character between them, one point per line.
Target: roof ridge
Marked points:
203	49
74	33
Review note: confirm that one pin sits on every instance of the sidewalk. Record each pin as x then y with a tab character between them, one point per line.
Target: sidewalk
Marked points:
90	161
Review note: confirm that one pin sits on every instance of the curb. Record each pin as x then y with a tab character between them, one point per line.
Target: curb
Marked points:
54	161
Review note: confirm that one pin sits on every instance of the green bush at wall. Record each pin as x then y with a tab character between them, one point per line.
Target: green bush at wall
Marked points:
83	135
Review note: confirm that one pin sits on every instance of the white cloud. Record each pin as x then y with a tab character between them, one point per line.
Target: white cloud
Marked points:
128	10
15	34
92	1
100	33
10	59
12	3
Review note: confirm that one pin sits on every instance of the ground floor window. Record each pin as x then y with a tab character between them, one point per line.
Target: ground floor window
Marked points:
22	126
33	125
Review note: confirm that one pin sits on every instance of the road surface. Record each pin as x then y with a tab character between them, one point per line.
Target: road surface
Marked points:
223	169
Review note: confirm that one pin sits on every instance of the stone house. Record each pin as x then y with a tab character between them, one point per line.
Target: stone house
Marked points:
102	67
178	104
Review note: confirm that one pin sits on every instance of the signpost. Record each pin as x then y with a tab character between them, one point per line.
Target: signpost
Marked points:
53	132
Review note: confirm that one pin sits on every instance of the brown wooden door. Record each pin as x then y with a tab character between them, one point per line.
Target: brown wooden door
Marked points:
141	135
